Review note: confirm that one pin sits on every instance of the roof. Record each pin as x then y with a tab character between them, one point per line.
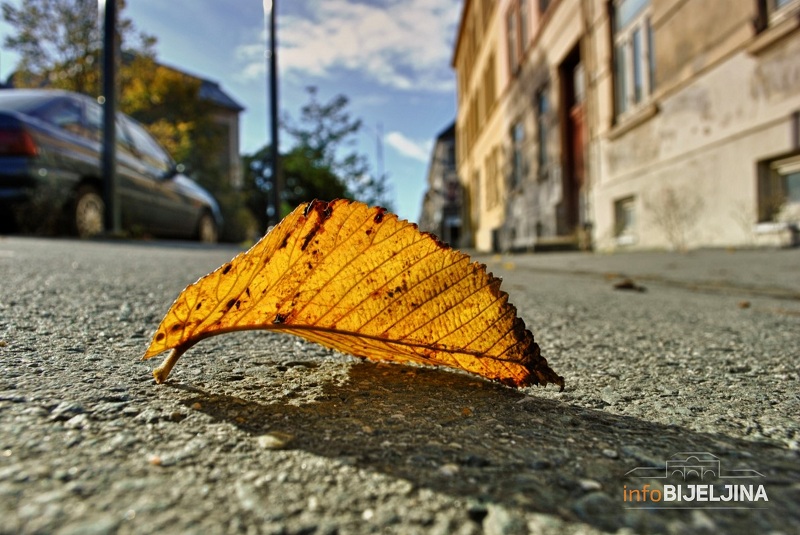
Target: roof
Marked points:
447	133
212	92
209	89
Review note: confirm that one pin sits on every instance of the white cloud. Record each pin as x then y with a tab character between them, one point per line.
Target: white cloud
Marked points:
404	45
408	147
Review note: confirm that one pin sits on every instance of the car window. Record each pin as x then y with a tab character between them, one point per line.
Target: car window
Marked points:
124	141
66	114
150	151
94	120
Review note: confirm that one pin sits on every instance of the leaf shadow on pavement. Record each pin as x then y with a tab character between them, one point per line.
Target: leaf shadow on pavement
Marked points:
486	443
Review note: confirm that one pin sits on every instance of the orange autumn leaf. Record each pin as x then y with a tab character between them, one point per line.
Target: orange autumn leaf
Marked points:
359	280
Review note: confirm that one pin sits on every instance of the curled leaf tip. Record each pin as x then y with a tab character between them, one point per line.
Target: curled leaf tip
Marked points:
359	280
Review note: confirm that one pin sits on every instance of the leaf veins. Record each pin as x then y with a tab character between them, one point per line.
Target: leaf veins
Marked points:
359	280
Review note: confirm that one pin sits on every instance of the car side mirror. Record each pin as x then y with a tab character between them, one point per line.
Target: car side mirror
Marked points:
174	170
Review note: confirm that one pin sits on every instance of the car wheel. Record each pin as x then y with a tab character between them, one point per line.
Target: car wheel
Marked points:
89	213
207	229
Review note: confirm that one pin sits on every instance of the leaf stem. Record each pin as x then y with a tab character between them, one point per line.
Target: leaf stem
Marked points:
162	372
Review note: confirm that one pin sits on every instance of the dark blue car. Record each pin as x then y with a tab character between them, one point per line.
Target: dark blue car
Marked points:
51	180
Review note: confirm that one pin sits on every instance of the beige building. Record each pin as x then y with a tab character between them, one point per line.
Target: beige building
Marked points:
629	123
225	114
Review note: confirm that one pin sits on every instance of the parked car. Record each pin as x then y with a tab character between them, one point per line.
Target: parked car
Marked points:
51	180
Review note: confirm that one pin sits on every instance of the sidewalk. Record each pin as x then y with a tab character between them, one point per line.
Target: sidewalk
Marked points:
774	272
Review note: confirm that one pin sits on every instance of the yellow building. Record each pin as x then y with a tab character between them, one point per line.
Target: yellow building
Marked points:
629	123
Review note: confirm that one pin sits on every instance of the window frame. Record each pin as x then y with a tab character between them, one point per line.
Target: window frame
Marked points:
633	58
779	10
517	29
542	110
625	220
518	171
774	191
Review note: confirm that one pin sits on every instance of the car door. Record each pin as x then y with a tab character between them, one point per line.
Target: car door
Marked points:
132	191
170	211
70	154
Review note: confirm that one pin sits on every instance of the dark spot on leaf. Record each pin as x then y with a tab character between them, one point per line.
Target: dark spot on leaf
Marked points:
310	266
435	238
279	318
160	336
391	293
200	304
226	269
237	304
230	303
309	237
247	291
368	231
285	241
379	216
176	327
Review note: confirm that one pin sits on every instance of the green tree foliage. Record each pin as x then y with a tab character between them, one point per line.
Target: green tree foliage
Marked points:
326	132
60	43
322	164
168	102
60	47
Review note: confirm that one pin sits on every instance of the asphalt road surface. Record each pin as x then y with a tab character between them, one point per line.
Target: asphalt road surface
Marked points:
263	433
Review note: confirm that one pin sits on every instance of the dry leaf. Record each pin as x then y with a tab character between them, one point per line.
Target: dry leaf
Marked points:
359	280
629	284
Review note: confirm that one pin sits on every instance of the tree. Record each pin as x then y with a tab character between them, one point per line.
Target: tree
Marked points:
59	43
325	137
168	102
322	164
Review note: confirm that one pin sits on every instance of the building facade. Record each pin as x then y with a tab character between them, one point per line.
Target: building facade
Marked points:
629	123
442	205
225	114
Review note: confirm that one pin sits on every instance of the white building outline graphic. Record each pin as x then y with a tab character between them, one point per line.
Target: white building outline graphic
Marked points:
692	464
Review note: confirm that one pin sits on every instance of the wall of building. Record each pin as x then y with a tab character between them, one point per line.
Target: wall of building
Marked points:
681	167
690	161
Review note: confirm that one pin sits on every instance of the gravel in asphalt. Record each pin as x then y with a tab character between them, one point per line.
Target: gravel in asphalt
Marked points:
263	433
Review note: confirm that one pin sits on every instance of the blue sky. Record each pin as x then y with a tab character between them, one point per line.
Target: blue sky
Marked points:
390	57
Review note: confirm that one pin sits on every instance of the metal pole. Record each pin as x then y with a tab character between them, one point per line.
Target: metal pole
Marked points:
109	157
277	179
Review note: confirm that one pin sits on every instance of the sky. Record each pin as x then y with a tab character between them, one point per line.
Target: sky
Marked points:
391	58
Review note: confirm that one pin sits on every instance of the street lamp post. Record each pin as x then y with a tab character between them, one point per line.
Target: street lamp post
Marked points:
270	8
108	10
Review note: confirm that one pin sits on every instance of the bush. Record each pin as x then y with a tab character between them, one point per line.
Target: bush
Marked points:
240	225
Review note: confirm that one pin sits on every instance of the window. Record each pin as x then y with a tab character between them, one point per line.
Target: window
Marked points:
150	152
476	196
513	41
493	177
518	167
778	10
624	221
634	65
65	114
523	25
542	110
779	191
94	120
517	33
